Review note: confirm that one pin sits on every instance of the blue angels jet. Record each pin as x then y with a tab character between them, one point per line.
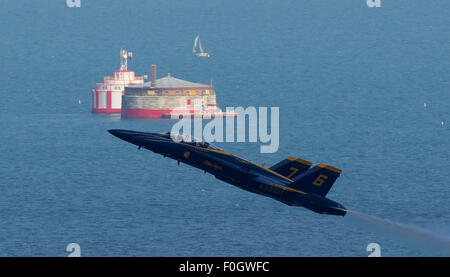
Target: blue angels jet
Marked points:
290	181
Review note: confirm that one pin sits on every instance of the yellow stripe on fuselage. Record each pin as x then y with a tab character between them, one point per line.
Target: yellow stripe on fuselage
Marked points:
288	189
273	172
250	162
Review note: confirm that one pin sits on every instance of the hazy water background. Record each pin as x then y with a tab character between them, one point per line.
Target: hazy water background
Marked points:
350	82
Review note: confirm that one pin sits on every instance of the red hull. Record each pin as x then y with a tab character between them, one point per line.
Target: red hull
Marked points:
105	110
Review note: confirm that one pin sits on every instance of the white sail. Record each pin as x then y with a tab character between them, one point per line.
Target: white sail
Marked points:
199	52
194	48
200	46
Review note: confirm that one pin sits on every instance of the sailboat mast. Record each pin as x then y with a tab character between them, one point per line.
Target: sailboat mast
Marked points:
200	46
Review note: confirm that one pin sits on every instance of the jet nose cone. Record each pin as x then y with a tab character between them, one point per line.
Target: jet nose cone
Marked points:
113	131
126	135
147	140
118	133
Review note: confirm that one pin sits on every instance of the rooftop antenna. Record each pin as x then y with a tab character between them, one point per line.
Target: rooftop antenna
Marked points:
124	56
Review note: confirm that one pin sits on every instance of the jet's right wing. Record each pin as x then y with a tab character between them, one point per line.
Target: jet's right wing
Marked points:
291	167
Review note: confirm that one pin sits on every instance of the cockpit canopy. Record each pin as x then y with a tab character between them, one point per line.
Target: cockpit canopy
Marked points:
189	140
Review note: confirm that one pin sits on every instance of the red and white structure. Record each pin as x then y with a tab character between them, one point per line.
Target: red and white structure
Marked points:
107	98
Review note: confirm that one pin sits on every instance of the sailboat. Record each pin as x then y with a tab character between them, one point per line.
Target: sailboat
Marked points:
200	52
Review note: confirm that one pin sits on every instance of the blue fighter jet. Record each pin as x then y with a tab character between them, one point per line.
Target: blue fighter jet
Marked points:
290	181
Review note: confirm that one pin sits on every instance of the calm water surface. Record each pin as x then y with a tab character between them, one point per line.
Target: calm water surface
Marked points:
350	81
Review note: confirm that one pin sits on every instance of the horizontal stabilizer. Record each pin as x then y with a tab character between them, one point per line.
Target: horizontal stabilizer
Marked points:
291	167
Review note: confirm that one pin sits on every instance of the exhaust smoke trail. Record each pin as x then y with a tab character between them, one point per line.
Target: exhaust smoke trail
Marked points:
424	241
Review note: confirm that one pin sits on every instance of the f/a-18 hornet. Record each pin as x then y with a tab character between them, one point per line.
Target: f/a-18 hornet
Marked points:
290	181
